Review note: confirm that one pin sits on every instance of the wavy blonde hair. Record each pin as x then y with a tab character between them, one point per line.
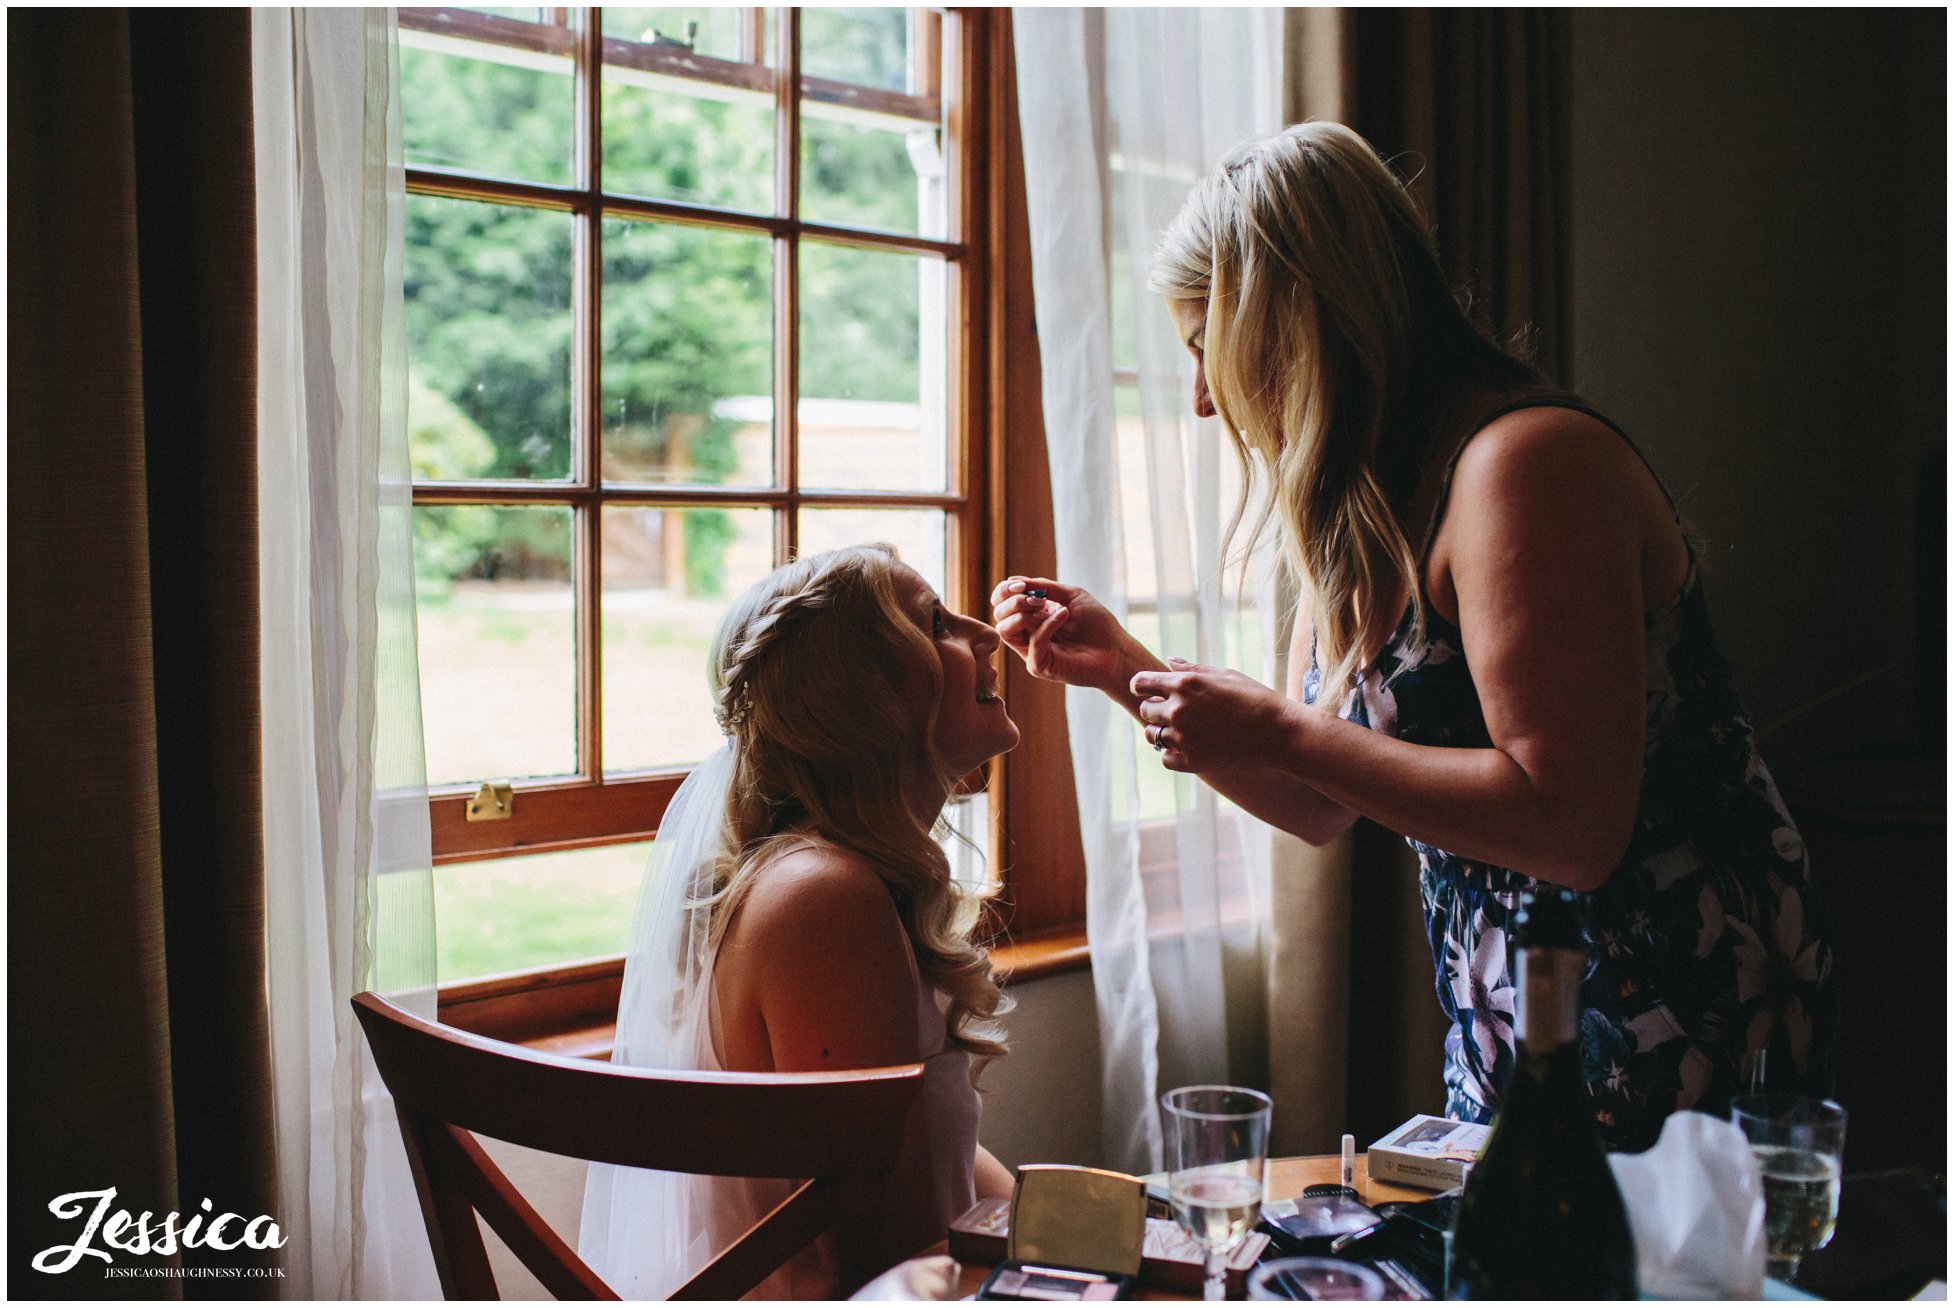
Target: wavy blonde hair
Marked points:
816	674
1331	340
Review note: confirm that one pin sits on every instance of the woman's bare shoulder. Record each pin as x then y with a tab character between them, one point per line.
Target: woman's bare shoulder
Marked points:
820	894
817	958
1545	442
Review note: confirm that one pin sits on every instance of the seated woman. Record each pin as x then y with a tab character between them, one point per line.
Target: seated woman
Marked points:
799	915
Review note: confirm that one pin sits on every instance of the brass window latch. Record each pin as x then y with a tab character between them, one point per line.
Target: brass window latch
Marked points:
493	802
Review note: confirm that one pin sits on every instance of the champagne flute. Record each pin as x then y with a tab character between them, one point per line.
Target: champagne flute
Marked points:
1799	1145
1217	1139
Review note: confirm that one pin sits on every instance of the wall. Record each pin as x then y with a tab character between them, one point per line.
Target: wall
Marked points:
1758	280
1758	273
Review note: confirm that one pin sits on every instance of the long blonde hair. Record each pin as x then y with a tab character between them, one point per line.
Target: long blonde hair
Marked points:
816	674
1331	338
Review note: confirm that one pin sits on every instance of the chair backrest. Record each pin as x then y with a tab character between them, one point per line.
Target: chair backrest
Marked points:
837	1131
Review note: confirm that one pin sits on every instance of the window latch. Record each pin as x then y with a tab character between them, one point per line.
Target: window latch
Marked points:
493	802
688	44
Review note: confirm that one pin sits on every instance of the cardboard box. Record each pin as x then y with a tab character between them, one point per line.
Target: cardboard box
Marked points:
1431	1152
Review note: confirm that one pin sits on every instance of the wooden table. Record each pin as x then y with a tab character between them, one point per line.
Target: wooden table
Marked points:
1287	1177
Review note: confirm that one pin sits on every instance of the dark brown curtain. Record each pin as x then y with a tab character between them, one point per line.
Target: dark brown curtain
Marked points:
1470	104
140	1054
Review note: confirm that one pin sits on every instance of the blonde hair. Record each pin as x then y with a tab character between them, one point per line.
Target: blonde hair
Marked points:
816	673
1330	338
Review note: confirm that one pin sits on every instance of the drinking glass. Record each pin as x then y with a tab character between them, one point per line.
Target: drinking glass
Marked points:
1799	1144
1217	1142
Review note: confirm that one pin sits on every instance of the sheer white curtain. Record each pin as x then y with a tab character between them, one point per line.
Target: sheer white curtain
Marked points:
1121	110
348	874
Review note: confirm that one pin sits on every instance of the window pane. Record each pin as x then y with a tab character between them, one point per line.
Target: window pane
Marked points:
874	337
917	534
1132	503
508	914
872	138
968	841
480	106
871	170
864	47
716	34
488	340
688	355
1119	286
498	642
1156	784
668	576
678	127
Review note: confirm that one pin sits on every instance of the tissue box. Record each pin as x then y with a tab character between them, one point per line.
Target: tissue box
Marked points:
1432	1152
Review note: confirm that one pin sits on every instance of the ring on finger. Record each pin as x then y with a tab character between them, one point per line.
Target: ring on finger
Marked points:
1153	736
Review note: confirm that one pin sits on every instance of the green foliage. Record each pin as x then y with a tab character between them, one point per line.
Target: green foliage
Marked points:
688	321
860	316
442	441
671	146
480	116
707	534
868	47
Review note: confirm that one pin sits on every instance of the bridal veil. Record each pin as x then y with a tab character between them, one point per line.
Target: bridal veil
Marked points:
647	1232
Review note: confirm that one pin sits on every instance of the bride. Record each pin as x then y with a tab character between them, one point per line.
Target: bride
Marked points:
799	916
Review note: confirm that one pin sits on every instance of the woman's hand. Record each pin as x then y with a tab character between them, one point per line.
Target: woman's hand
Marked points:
1213	720
1066	635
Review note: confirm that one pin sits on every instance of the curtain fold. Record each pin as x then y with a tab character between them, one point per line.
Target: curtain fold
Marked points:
136	943
1122	110
349	894
1470	104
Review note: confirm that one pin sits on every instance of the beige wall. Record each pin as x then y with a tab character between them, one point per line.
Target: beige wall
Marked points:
1758	269
1758	281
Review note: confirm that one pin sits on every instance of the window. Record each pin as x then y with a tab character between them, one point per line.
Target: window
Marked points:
688	291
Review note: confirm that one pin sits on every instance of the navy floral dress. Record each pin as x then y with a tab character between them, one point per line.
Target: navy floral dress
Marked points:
1708	944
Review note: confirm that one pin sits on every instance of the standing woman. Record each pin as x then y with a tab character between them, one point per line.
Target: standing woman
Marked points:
1508	655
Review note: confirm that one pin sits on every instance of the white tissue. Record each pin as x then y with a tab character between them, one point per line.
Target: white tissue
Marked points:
1696	1207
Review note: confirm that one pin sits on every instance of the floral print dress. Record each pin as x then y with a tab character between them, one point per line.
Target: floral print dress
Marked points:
1708	943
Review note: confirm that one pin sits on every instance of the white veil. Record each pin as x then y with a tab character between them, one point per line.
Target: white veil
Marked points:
647	1232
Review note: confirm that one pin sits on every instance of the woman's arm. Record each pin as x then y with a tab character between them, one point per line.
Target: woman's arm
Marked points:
836	989
831	974
994	1179
1071	637
1545	543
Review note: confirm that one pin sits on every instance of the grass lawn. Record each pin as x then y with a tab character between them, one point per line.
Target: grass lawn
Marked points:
535	910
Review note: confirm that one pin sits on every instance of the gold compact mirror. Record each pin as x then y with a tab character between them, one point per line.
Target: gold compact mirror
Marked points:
1079	1217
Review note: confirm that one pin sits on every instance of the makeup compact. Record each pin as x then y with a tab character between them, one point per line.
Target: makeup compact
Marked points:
1076	1234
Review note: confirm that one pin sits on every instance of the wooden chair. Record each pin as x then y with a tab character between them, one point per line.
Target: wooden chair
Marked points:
841	1129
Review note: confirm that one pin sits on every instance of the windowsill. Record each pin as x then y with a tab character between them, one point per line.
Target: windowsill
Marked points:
572	1011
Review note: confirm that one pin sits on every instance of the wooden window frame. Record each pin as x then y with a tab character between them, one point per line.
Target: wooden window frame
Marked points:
593	806
1038	921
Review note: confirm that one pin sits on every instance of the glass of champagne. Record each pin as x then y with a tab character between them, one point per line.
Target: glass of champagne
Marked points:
1799	1145
1217	1141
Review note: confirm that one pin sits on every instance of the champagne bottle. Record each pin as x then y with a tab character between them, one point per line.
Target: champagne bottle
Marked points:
1541	1216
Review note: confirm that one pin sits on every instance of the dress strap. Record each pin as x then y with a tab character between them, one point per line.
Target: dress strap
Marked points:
1555	400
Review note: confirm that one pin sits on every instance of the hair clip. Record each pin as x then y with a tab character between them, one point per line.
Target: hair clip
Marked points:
731	716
